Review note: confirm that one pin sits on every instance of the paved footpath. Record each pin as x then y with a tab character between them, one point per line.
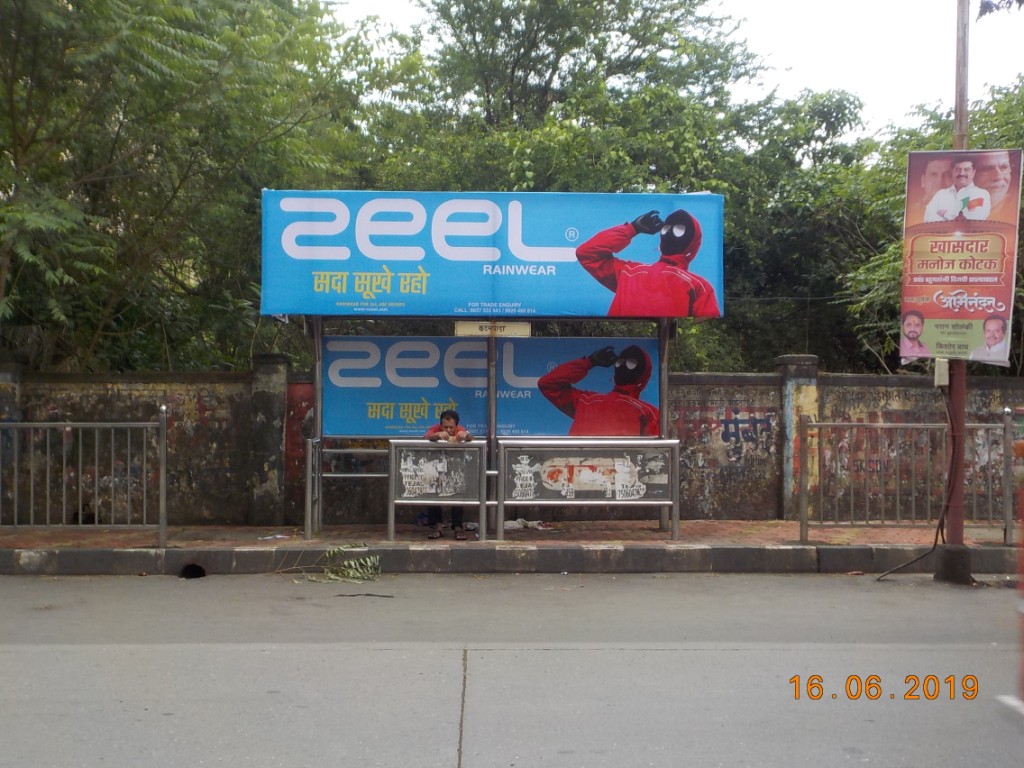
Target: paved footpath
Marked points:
704	546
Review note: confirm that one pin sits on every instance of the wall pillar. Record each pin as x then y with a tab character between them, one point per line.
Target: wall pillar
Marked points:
269	412
799	397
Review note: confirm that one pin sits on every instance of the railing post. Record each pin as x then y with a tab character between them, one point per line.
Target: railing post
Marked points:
308	528
393	469
1008	521
163	477
802	433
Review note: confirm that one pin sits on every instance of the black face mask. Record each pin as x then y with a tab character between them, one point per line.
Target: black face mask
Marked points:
677	233
631	365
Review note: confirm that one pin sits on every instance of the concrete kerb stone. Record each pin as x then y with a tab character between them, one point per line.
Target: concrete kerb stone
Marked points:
773	559
41	562
261	560
687	558
504	557
1000	559
516	558
108	562
429	558
845	559
907	558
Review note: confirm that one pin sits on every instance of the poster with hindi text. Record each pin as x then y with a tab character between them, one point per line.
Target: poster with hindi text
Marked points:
960	254
469	255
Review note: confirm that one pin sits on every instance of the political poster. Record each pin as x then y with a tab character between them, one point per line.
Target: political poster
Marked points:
392	387
507	255
960	254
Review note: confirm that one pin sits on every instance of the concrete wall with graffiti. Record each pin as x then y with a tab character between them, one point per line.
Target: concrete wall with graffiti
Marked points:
208	423
236	441
224	436
730	458
874	474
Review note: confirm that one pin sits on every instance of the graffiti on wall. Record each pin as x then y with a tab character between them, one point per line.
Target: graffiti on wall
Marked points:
729	455
890	459
207	429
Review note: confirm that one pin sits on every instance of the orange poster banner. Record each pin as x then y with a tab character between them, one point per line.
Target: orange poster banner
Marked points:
960	254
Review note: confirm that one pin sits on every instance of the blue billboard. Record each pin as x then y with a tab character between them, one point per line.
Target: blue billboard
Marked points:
398	386
448	254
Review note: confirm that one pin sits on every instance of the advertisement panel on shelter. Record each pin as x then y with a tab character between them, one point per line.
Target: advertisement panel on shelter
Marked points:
960	254
491	254
389	386
536	474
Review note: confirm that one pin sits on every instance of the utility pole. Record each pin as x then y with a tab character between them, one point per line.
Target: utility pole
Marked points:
954	563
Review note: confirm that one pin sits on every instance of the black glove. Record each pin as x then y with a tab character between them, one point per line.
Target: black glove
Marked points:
604	357
648	224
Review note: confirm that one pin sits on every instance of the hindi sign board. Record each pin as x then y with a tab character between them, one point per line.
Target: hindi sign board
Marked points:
491	254
396	386
960	254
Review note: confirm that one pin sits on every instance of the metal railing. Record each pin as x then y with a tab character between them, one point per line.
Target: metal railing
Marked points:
588	471
361	464
327	462
896	474
104	474
428	472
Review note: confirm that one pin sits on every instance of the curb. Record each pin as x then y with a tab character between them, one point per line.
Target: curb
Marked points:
494	557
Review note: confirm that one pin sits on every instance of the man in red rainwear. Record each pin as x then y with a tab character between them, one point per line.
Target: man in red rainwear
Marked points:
666	288
619	413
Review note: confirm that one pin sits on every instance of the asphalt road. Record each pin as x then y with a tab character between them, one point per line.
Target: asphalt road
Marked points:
489	671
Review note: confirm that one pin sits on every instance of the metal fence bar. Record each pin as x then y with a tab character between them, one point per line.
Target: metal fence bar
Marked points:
163	476
852	495
49	477
1007	477
55	464
128	474
65	439
113	484
96	476
897	474
145	478
883	444
79	442
902	473
804	475
820	446
17	474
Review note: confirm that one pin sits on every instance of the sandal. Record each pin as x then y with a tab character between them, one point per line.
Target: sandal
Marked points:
460	535
437	533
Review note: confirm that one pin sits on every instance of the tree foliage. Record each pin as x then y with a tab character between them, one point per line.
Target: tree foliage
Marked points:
516	62
993	6
136	136
134	140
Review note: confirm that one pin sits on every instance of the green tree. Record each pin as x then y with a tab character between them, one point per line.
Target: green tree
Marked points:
134	140
517	61
992	6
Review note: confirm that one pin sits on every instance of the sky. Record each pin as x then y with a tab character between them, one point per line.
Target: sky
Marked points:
893	54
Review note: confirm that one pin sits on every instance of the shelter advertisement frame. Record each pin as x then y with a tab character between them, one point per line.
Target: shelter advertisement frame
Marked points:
588	472
396	387
428	472
492	254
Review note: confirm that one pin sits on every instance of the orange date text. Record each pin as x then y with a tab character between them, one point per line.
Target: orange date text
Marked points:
872	688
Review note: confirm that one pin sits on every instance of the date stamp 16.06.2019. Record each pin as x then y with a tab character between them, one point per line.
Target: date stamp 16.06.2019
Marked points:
873	688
